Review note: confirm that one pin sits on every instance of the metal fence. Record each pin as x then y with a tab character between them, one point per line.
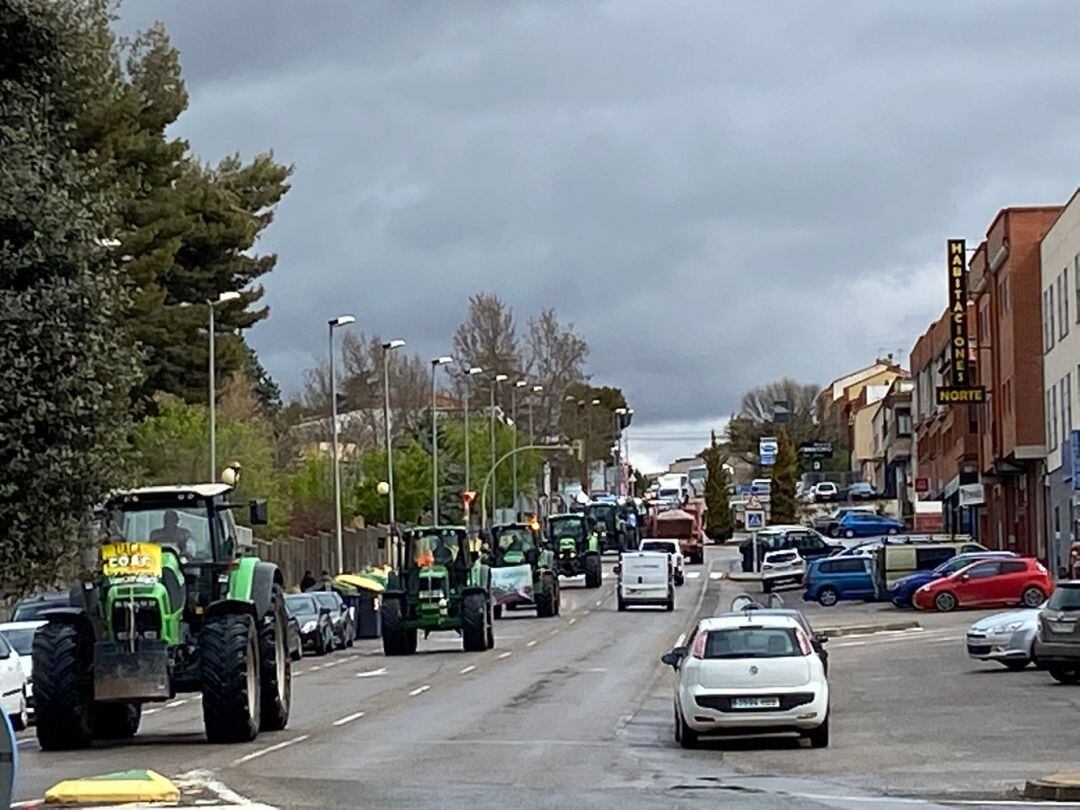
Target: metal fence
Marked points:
295	555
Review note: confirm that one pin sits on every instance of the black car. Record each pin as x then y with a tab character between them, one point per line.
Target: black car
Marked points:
809	543
315	622
295	644
344	623
32	608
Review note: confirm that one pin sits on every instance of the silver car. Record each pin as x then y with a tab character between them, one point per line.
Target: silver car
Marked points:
1008	638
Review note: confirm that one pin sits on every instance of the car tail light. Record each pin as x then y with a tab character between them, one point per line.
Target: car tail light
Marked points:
804	642
698	649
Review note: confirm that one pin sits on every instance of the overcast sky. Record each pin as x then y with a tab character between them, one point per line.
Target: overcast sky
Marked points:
716	193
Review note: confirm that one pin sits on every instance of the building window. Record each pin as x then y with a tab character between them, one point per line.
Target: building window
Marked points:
1076	281
1048	318
1003	291
1051	416
903	423
1066	405
1063	303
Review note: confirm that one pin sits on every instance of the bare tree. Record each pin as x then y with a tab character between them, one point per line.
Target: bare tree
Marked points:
488	337
555	358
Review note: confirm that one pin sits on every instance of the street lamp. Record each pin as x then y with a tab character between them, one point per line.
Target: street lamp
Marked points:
498	378
435	363
513	418
388	347
473	371
626	446
537	484
224	298
332	324
619	414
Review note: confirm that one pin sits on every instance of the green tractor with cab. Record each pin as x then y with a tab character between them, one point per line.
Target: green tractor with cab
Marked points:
576	548
172	605
523	570
438	583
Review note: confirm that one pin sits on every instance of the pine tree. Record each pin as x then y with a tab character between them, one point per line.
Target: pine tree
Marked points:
718	480
782	504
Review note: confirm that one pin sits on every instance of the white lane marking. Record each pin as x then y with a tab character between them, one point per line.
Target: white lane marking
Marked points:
599	602
371	673
571	621
586	612
531	643
693	575
505	655
704	590
419	690
175	703
555	632
348	718
270	749
150	711
467	669
316	668
595	669
24	741
679	641
331	664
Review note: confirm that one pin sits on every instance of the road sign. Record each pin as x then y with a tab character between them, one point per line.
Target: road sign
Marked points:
755	519
768	446
753	502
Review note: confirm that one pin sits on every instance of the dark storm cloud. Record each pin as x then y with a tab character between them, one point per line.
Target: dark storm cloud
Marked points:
717	194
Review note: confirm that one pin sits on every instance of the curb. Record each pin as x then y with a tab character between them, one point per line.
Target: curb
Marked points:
1058	787
879	627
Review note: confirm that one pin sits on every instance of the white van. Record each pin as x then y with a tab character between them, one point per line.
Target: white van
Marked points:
645	578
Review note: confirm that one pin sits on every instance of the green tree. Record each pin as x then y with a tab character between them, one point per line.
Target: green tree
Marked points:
412	485
67	365
718	480
783	508
758	416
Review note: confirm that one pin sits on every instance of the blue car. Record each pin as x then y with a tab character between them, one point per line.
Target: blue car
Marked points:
867	524
832	579
904	589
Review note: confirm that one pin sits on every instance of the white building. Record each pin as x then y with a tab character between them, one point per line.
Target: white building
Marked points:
1060	256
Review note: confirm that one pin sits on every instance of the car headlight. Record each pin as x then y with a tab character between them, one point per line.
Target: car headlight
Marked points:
309	627
1011	627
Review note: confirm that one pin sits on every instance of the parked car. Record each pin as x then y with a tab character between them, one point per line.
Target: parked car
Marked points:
675	555
829	524
834	579
749	673
316	624
32	608
13	686
1008	638
862	491
865	524
20	636
901	591
1057	643
902	556
782	568
340	615
1023	581
806	541
825	491
295	644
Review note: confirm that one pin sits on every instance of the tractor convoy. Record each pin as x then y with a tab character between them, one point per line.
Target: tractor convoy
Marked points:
177	602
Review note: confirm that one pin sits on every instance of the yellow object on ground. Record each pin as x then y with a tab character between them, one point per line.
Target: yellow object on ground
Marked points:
114	788
361	581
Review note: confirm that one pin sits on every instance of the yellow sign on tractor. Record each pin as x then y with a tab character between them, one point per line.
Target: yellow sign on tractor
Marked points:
131	560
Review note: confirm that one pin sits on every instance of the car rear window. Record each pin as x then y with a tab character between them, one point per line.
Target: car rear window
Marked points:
299	604
752	642
845	565
1065	599
654	546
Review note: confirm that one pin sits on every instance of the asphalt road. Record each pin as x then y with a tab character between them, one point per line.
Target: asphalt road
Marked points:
576	710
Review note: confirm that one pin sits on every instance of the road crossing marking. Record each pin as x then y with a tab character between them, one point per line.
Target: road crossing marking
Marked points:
716	575
679	641
693	575
419	690
505	655
270	750
348	718
371	673
467	669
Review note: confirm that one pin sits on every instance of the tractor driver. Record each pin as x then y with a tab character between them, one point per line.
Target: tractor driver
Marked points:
172	533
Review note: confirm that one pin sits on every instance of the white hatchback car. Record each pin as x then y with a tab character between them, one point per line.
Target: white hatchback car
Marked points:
674	552
749	673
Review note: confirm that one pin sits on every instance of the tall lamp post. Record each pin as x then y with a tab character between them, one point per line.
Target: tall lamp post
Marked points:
537	484
332	324
224	298
513	418
435	363
388	347
472	372
619	414
588	440
498	378
626	450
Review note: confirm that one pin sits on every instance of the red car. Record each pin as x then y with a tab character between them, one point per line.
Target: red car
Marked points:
1023	581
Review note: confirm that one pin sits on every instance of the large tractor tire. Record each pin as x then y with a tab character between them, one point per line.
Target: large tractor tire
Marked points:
231	679
593	571
396	638
474	623
63	687
275	666
116	721
547	596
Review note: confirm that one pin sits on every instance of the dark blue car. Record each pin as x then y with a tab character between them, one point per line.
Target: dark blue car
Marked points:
904	589
867	524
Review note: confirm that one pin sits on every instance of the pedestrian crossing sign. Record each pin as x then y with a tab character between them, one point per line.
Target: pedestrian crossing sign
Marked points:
755	519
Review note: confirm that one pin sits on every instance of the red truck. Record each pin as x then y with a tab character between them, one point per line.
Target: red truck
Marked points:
684	525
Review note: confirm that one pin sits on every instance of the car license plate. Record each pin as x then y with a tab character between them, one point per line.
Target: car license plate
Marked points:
1061	627
755	703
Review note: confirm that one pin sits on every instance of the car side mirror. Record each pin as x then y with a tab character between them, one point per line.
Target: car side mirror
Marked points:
965	577
821	638
674	658
259	514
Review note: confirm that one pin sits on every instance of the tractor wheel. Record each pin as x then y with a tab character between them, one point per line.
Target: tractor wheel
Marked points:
116	721
547	597
474	623
593	571
558	594
490	637
497	612
63	687
275	666
232	703
397	640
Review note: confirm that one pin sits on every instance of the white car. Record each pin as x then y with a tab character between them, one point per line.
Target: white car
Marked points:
782	568
749	673
674	552
825	491
645	578
12	685
20	636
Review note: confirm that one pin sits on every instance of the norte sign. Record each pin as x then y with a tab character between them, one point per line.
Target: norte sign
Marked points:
961	390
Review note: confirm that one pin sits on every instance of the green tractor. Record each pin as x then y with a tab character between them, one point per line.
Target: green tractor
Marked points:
576	548
609	526
173	605
523	570
439	583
